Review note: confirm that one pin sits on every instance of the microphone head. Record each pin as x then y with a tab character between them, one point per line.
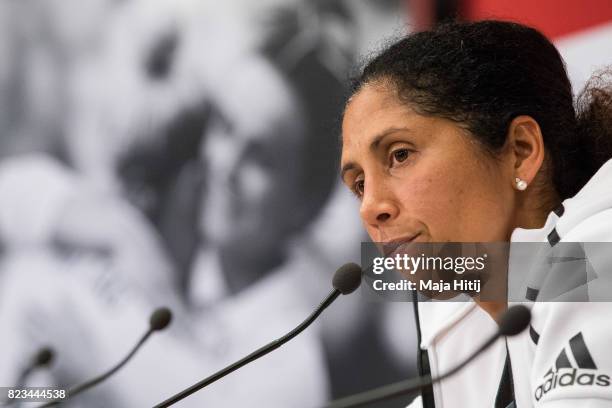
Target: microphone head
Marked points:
347	278
160	319
44	357
515	320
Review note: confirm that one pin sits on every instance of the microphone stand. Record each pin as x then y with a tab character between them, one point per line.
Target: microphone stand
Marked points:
254	355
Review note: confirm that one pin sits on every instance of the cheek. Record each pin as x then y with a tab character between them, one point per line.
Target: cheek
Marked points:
454	203
432	200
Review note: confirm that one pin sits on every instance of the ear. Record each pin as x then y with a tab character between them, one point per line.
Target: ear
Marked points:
526	147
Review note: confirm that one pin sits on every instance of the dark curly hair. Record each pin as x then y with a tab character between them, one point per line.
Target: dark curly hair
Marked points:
484	74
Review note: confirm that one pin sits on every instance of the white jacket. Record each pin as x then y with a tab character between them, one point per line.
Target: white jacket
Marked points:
564	359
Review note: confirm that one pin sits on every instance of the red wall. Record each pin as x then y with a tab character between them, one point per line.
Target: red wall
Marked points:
555	18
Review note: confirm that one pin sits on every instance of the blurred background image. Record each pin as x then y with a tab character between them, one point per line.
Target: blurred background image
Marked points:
185	153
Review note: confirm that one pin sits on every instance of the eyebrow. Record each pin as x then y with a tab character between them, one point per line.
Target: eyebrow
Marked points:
373	146
346	168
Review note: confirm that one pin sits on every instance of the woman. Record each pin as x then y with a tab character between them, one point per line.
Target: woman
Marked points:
468	133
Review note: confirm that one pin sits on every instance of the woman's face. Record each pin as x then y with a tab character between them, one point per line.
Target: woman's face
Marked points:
421	178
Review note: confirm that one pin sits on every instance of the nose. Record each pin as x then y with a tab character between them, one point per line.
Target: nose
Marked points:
378	207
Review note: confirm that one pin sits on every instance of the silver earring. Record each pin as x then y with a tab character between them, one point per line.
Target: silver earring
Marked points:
520	184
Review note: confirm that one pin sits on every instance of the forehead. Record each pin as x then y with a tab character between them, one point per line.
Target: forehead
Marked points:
372	110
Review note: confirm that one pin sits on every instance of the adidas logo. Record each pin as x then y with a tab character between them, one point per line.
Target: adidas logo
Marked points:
573	367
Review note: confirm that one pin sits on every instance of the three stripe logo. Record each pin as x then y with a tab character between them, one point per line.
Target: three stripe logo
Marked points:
573	367
576	356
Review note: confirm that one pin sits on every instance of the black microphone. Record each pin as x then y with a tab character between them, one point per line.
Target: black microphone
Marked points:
346	279
513	321
43	358
159	320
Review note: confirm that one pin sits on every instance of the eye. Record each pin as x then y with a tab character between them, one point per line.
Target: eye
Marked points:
359	187
399	155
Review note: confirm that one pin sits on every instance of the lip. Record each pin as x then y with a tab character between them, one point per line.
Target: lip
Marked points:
392	245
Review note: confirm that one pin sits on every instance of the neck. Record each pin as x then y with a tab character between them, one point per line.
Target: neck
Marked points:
494	309
533	208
